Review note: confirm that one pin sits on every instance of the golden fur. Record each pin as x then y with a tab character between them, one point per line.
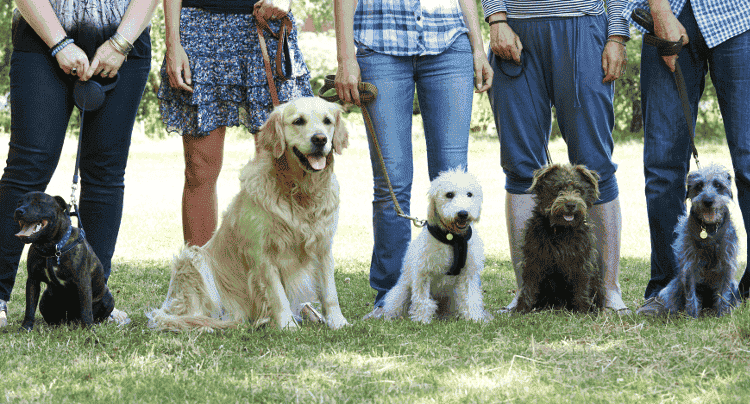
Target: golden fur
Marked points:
272	251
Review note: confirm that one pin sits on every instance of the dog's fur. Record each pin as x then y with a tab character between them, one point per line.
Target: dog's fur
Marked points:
560	268
273	249
705	266
424	289
76	290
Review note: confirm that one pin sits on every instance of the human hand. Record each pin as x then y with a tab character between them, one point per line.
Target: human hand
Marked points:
505	43
483	73
272	9
666	26
347	79
614	58
107	61
72	57
178	68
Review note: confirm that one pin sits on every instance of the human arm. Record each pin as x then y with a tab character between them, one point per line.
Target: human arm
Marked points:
107	59
503	40
176	60
41	17
482	70
347	74
614	56
667	27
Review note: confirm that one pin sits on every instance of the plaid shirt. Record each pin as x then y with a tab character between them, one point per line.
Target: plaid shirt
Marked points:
718	20
408	27
616	25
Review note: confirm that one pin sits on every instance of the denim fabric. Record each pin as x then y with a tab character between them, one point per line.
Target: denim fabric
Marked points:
41	104
666	155
561	68
444	85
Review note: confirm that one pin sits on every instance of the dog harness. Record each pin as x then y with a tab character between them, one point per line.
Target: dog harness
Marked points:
460	247
60	251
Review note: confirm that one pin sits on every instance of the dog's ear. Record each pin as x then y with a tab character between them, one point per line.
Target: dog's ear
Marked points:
591	177
64	205
271	134
691	182
540	175
340	133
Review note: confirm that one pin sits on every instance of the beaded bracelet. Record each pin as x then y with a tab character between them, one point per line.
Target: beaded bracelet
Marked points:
498	22
60	45
616	41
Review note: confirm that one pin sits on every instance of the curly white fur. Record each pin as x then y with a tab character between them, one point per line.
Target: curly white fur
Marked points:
423	289
273	250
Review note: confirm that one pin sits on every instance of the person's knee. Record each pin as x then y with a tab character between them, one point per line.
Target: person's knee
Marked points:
201	171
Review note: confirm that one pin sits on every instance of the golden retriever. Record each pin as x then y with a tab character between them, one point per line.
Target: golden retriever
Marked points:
272	251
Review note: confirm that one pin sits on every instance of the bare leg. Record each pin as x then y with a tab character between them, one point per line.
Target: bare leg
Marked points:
203	160
518	210
607	222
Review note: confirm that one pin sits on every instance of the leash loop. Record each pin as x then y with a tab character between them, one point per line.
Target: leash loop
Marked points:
368	93
283	59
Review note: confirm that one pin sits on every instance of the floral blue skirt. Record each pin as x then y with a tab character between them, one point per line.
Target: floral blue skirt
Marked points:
228	75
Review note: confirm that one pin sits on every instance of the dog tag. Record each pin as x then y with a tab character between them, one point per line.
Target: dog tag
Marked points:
449	237
704	234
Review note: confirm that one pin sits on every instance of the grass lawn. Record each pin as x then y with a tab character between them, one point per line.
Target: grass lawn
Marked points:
542	357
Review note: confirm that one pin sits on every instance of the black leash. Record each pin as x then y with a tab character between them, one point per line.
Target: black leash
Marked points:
669	48
87	96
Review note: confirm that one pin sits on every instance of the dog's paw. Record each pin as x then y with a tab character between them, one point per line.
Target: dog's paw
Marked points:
336	322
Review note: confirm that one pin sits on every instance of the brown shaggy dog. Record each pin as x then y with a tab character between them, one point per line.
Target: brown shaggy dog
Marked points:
560	267
273	249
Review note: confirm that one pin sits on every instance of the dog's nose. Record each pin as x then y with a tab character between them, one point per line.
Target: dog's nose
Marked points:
708	203
319	139
463	215
19	212
570	205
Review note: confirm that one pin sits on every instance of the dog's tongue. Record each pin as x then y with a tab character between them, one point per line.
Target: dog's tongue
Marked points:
711	217
317	162
29	229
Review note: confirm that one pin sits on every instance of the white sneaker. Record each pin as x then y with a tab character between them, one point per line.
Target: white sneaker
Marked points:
119	317
3	313
614	302
512	305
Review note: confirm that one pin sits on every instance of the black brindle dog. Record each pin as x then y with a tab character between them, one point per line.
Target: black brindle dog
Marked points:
61	257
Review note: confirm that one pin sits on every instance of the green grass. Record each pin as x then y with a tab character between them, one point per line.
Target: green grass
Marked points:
542	357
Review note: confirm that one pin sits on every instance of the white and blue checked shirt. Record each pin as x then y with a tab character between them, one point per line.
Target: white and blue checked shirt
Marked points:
617	25
408	27
718	20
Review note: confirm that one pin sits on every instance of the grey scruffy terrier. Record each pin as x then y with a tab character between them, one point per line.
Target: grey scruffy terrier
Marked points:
706	248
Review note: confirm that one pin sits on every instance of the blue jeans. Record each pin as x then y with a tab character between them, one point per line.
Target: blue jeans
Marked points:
561	68
41	104
444	86
666	155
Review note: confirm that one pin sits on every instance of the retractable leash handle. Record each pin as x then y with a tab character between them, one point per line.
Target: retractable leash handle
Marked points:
88	96
668	48
367	93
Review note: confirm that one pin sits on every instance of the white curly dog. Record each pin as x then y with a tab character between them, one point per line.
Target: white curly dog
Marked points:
440	273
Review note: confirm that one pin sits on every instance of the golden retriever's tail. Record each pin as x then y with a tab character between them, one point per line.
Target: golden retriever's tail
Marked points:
193	300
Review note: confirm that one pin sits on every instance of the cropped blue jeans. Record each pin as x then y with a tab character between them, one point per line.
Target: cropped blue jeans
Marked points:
666	154
41	106
444	85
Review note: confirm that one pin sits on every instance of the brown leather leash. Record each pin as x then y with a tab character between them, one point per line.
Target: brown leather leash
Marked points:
282	47
367	94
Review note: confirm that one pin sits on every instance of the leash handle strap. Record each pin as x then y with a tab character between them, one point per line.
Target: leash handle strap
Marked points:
368	93
669	48
261	26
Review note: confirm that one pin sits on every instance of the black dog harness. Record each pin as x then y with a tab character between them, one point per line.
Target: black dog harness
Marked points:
60	250
460	246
